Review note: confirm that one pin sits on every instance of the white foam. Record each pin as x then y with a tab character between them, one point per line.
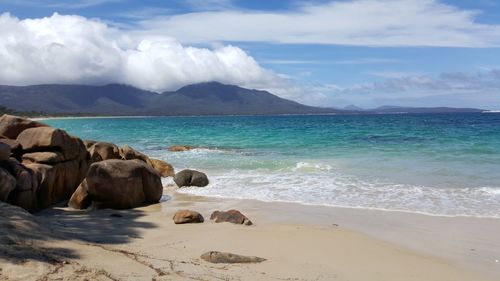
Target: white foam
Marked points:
331	188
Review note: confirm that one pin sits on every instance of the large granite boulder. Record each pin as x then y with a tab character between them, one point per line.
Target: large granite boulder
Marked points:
190	178
232	216
162	168
27	185
51	139
187	216
12	126
60	160
118	184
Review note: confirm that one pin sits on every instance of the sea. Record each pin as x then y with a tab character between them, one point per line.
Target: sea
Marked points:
436	164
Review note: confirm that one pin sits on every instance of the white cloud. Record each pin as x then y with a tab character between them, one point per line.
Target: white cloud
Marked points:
357	22
74	49
75	4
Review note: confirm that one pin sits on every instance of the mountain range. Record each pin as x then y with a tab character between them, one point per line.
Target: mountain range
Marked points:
210	98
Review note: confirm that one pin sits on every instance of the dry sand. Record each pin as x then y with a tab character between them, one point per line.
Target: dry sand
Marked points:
299	243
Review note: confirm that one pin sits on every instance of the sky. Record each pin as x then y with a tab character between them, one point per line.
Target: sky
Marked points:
366	53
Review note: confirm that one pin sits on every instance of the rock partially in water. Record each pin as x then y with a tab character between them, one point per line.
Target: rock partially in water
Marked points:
190	178
232	216
162	168
222	257
180	148
187	216
128	153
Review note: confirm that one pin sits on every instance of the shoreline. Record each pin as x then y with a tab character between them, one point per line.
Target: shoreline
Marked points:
305	204
299	242
469	242
243	115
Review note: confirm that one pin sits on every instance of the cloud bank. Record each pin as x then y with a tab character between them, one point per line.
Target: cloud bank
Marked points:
74	49
459	89
357	22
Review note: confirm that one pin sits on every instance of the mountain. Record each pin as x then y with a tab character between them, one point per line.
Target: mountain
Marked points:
211	98
352	107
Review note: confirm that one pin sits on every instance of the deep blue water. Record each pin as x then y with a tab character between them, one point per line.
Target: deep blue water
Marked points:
443	164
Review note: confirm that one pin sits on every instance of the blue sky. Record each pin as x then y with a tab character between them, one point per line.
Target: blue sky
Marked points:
331	53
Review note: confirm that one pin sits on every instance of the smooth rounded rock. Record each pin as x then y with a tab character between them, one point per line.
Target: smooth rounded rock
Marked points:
191	178
187	216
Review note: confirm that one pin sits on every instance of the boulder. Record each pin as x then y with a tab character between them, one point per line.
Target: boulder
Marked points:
51	139
221	257
7	184
190	178
27	183
120	184
162	168
4	152
187	216
128	153
80	198
89	143
180	148
12	126
232	216
104	151
59	180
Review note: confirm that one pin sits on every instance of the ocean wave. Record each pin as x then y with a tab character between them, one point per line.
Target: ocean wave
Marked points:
306	166
330	188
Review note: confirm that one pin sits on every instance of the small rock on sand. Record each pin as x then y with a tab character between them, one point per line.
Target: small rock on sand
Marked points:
232	216
187	216
221	257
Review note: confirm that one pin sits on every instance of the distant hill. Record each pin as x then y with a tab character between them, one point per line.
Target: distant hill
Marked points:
211	98
387	109
401	109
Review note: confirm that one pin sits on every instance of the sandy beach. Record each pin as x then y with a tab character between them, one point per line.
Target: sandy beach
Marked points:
299	242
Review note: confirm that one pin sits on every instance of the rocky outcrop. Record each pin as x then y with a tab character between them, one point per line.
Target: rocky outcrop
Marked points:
60	160
46	163
180	148
232	216
187	216
118	184
162	168
41	165
190	178
12	126
221	257
26	185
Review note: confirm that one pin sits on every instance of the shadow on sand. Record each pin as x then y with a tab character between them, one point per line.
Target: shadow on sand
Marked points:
22	235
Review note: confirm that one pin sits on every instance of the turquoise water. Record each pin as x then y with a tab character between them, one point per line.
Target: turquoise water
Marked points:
441	164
